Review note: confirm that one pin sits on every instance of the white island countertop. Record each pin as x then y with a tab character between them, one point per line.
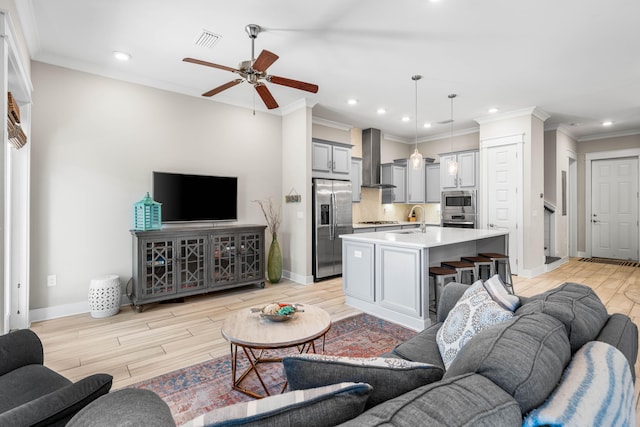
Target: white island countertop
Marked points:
433	237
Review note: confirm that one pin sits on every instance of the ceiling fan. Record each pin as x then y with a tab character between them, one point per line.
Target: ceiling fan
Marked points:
254	72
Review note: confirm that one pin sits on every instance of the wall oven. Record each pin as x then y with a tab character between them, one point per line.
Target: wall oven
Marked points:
459	209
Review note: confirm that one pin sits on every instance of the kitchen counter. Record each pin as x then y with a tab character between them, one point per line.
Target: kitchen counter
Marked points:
434	236
402	224
386	273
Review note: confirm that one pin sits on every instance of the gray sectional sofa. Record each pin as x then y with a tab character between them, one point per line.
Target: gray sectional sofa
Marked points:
518	370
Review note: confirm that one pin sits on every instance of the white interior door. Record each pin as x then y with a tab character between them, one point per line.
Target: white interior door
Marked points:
614	208
504	163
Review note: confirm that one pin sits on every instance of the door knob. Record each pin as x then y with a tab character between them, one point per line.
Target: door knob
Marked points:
594	221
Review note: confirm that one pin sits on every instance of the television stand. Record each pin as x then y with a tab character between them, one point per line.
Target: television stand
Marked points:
173	263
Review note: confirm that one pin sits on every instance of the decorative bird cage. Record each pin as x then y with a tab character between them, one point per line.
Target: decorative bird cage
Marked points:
147	214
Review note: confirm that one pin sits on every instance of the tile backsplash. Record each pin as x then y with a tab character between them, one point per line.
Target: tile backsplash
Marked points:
371	208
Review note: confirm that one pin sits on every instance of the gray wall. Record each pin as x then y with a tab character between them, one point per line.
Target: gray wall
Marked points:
96	142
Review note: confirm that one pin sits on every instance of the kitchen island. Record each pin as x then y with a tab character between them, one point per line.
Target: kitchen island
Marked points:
386	273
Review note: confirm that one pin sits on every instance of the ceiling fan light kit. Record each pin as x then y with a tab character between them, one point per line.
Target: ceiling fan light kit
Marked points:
254	72
416	158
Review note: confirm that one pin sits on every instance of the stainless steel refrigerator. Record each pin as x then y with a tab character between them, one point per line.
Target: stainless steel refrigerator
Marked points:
331	218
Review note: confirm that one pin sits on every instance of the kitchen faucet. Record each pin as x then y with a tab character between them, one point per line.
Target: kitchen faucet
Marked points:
423	225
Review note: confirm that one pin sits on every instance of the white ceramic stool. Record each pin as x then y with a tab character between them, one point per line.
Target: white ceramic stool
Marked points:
104	296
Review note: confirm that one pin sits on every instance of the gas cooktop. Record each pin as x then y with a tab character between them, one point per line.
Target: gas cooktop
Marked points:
378	222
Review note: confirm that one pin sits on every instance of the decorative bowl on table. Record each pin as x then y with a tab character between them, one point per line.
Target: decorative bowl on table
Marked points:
278	312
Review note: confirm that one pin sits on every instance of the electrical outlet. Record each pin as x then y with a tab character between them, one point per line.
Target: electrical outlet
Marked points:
51	280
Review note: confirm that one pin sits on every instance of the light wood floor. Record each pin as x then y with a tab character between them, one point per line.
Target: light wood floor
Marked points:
136	346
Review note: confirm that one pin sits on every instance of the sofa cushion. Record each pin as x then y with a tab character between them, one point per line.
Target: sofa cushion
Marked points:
525	356
126	407
389	377
622	333
55	407
576	306
467	400
422	347
321	406
596	390
474	312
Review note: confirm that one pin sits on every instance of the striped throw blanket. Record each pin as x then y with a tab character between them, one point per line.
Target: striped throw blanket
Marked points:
596	390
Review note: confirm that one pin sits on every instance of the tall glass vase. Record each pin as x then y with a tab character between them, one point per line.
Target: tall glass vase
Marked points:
274	260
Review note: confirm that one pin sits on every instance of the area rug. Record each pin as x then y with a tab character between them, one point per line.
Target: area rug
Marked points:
622	262
206	386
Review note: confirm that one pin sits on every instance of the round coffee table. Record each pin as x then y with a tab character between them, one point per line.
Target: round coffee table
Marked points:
253	334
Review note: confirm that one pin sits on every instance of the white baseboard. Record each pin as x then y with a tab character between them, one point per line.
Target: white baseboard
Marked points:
298	278
65	310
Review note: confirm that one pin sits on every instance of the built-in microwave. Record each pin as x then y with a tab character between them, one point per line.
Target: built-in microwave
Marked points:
459	201
459	209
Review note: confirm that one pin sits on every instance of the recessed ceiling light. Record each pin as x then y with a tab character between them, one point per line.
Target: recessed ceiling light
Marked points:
427	125
121	56
607	123
406	118
381	111
352	101
493	110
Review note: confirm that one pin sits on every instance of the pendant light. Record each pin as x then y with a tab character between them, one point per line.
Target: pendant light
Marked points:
453	165
416	157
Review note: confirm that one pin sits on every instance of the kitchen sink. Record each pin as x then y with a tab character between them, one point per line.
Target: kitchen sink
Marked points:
405	231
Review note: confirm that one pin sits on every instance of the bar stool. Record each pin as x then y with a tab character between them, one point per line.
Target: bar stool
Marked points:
501	260
481	263
463	268
441	276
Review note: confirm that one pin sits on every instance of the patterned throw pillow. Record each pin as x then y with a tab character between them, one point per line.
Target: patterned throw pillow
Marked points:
321	406
390	377
474	312
499	293
596	390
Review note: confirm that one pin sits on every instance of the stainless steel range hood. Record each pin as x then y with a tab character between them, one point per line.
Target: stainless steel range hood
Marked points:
371	139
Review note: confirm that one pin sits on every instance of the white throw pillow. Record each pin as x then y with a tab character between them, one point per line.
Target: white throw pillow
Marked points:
499	293
596	390
474	312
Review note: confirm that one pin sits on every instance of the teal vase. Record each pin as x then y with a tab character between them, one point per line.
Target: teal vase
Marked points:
274	261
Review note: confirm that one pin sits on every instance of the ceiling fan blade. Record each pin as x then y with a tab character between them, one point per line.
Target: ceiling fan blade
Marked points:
266	96
225	86
264	61
309	87
210	64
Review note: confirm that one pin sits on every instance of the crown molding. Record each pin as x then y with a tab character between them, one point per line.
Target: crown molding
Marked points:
27	19
400	139
609	135
331	124
297	105
446	135
529	111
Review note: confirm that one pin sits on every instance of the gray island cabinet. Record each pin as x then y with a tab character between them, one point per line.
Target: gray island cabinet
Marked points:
176	262
386	274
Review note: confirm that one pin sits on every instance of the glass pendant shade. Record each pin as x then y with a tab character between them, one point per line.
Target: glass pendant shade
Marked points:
416	159
453	167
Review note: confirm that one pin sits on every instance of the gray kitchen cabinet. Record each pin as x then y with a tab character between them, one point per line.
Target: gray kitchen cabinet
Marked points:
359	257
395	174
414	181
432	178
467	170
331	160
177	262
398	279
356	179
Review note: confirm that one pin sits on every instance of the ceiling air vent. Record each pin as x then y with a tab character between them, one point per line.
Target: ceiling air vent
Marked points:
207	39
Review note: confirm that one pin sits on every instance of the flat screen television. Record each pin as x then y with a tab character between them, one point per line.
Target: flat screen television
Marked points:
196	197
